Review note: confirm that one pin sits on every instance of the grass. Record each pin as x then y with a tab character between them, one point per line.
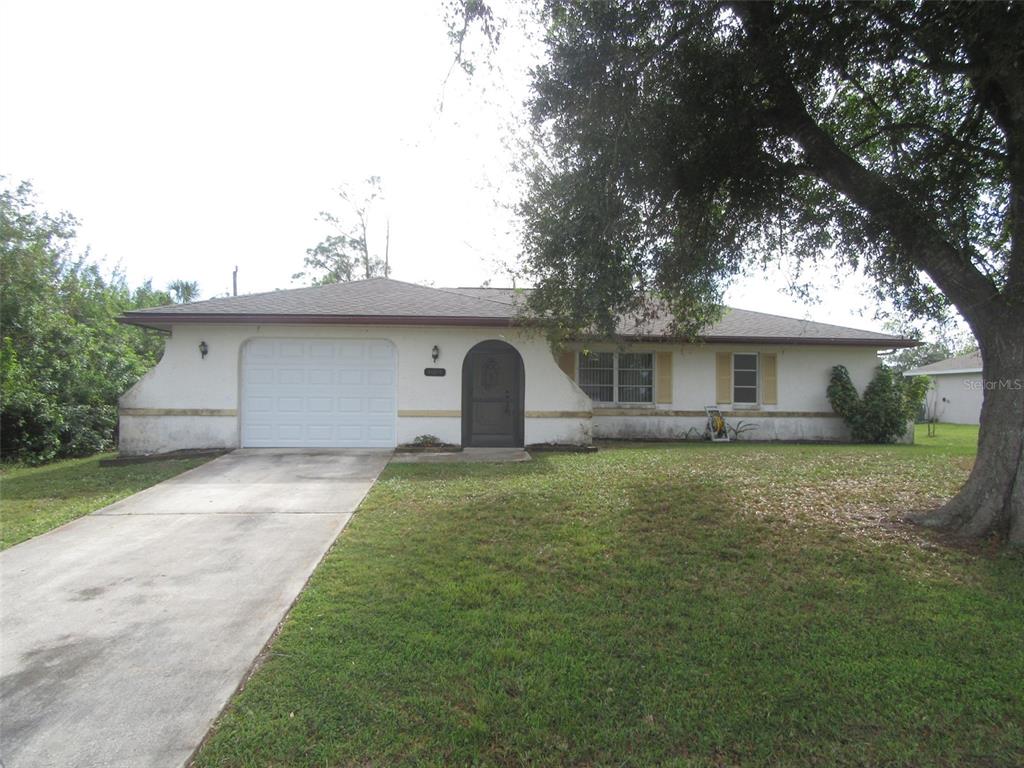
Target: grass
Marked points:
659	604
958	439
38	499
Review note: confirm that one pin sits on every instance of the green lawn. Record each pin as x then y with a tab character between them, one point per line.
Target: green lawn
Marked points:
959	439
660	604
37	499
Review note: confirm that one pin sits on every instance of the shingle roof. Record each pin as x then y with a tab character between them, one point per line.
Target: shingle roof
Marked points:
969	363
513	296
386	301
374	297
736	324
744	323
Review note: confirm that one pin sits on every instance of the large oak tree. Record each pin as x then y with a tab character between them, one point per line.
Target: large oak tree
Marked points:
678	141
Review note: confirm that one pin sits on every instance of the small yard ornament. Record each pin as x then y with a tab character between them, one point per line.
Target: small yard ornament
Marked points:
716	430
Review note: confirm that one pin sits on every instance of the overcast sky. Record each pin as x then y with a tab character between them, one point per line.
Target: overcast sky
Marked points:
190	137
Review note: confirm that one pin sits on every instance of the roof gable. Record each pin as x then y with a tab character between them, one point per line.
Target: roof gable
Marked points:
969	363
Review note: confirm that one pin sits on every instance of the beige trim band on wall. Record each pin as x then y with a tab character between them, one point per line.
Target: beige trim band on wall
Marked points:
527	414
177	412
558	414
700	414
227	412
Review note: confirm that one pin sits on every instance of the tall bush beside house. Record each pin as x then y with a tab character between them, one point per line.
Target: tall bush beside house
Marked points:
881	415
64	359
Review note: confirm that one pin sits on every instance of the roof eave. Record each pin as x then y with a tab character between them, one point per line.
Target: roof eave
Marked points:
162	320
951	371
797	340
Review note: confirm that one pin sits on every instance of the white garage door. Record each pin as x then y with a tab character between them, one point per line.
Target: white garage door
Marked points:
318	393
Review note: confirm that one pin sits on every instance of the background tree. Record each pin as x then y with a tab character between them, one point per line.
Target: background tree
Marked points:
64	359
184	291
346	254
679	140
946	340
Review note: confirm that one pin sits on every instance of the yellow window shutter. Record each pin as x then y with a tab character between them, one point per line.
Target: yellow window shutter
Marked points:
723	377
769	379
663	380
567	362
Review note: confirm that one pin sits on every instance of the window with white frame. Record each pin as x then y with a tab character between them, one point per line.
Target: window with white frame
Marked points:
617	377
744	378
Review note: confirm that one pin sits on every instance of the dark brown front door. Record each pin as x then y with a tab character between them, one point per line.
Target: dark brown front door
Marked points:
492	396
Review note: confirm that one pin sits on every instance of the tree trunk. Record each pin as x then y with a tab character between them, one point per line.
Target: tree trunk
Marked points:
991	502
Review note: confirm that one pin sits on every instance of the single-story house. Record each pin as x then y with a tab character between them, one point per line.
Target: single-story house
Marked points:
376	363
957	389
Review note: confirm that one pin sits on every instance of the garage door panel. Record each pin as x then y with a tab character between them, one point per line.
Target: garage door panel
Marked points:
321	376
259	404
291	376
379	350
261	432
289	431
320	404
259	348
380	378
380	432
320	350
318	393
320	432
350	433
380	405
291	405
259	376
350	377
350	405
352	350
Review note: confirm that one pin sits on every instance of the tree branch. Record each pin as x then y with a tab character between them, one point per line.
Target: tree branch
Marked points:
975	295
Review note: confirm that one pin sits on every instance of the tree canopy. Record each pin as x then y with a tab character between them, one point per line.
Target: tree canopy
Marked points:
64	360
676	142
680	140
346	253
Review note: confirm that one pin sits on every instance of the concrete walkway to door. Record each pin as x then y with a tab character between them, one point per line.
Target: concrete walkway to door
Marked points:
124	633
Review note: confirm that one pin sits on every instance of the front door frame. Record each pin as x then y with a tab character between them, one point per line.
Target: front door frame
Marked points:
518	397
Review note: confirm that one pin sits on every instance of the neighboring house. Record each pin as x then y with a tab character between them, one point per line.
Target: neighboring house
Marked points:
378	362
957	390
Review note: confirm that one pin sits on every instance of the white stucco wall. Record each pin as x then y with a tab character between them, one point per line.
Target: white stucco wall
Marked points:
802	412
956	398
190	402
161	434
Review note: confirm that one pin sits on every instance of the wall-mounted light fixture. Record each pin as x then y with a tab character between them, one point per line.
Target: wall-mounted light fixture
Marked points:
203	349
435	352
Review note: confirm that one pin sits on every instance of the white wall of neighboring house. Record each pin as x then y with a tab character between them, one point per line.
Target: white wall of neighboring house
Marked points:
187	401
956	398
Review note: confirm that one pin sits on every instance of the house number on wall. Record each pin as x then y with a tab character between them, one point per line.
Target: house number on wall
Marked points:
433	371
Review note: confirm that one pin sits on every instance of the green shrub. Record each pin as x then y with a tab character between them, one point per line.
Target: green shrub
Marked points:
427	441
888	403
64	358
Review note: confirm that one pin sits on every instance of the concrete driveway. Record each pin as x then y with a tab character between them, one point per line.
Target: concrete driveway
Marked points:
124	633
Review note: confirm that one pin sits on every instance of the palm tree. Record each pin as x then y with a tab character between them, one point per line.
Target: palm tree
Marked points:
184	291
